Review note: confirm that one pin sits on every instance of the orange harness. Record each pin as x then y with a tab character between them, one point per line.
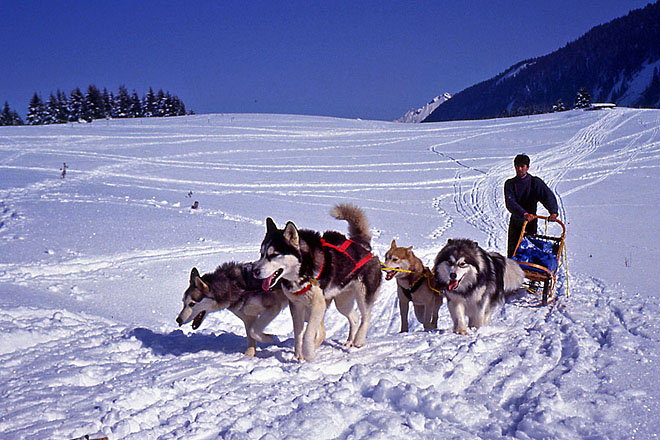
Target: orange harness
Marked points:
343	249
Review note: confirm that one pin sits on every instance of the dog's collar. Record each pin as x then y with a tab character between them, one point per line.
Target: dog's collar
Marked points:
312	282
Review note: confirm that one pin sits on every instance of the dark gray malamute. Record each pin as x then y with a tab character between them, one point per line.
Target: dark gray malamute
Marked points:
232	287
474	281
313	270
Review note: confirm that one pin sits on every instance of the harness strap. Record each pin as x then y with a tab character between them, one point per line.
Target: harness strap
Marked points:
344	246
303	290
361	263
427	274
412	289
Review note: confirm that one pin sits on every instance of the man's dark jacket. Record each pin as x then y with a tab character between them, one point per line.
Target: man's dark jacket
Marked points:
521	196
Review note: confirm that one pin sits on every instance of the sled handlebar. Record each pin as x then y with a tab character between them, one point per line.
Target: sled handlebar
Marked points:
547	219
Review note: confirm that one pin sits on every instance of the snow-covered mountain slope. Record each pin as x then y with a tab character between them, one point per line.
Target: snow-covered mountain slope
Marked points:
418	115
615	62
93	266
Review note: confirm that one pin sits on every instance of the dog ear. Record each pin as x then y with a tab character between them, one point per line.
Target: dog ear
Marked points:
201	285
393	246
409	250
270	225
291	234
194	274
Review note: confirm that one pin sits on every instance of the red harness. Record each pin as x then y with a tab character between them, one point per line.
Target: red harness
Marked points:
343	249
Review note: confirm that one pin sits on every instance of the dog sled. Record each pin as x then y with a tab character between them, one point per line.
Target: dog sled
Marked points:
540	257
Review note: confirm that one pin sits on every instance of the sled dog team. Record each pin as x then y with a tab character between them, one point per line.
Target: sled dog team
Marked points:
309	271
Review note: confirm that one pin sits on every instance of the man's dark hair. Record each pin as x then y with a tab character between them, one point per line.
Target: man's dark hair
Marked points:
521	159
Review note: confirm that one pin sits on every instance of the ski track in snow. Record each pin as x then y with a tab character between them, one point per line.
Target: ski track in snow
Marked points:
534	373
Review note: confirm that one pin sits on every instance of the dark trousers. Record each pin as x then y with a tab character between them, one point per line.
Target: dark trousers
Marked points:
515	226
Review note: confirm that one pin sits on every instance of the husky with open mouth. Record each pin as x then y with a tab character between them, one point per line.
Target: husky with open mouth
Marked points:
474	281
232	287
314	270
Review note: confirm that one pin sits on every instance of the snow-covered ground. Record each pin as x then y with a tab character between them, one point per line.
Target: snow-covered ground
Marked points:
93	267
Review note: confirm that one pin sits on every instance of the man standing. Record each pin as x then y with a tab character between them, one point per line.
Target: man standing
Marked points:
521	194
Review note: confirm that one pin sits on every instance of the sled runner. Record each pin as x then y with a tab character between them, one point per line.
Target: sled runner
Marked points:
540	256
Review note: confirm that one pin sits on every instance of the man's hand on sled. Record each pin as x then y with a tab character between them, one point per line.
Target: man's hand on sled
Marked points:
553	217
529	217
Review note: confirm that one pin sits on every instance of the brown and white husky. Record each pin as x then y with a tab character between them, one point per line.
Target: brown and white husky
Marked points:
414	283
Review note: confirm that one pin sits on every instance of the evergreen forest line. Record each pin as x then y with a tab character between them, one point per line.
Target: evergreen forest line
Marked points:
77	106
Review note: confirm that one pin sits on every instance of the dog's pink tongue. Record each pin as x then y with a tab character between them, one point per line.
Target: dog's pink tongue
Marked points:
452	285
265	285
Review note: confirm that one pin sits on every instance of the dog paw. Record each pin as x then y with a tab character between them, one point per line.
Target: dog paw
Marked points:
309	355
461	331
358	343
250	352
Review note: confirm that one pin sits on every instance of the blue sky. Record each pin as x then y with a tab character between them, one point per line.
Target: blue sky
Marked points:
367	59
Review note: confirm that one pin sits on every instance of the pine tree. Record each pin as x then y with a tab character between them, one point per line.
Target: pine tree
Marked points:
180	107
61	116
52	110
122	103
149	104
5	116
108	104
76	106
559	106
14	118
135	108
36	110
9	116
160	104
94	104
583	99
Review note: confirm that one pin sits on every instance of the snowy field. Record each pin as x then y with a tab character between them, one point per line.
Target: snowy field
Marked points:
93	267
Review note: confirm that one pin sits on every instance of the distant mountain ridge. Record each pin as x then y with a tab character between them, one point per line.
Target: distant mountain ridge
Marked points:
418	115
616	62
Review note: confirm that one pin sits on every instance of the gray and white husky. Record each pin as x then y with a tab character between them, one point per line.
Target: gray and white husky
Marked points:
313	270
474	281
232	287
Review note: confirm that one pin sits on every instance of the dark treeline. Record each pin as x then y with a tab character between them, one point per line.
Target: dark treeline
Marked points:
79	106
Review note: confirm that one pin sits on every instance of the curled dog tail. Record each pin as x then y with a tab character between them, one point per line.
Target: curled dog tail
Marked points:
358	227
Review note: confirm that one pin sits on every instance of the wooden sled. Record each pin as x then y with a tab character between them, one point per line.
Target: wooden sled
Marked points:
540	257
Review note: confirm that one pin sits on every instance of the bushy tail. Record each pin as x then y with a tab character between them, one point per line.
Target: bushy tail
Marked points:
513	276
358	227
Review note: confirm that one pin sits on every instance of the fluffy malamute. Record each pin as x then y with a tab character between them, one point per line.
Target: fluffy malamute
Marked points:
474	281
